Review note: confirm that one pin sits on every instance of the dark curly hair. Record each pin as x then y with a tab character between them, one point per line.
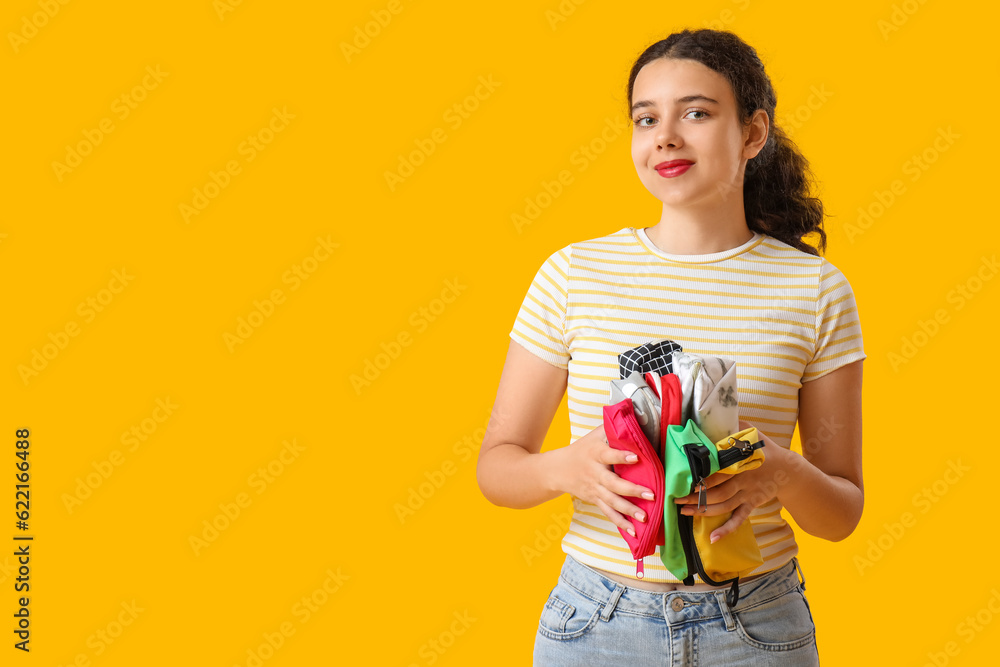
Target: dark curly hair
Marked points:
776	184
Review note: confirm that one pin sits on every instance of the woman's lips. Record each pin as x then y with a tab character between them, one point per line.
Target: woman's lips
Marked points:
675	170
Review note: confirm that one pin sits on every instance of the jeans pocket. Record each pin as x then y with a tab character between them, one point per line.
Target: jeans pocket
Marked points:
568	614
782	623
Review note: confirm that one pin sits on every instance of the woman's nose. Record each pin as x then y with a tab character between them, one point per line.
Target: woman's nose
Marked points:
668	135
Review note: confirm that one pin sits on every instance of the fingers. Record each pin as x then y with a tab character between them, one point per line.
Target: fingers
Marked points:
613	456
615	517
712	481
717	478
614	493
734	522
613	488
716	502
621	486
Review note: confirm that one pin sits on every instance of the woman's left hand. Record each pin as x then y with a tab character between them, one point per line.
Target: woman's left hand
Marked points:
741	493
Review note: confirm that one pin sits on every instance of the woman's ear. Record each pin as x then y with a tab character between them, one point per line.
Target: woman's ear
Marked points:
755	134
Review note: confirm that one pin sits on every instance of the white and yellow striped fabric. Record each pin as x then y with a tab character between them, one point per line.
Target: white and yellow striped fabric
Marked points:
785	316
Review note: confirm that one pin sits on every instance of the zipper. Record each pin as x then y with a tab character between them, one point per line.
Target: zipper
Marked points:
700	463
686	525
740	450
647	545
701	466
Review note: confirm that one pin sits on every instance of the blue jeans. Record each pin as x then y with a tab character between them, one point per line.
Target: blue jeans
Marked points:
589	619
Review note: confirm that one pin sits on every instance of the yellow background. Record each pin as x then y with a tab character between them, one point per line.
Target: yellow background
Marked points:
404	585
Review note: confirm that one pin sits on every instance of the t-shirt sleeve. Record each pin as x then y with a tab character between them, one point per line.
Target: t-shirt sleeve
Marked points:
838	327
539	325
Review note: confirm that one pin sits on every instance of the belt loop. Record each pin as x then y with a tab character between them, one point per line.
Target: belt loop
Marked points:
727	613
612	602
799	568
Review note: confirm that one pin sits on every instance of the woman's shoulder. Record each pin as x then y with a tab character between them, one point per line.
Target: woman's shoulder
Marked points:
827	275
565	254
625	234
770	246
622	237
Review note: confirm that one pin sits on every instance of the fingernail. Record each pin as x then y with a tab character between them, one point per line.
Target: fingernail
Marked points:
630	531
632	458
639	516
647	495
714	539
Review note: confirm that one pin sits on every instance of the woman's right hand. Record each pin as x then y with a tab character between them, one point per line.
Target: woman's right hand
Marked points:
586	472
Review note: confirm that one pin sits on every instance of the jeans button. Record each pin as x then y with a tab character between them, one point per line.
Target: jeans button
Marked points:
677	604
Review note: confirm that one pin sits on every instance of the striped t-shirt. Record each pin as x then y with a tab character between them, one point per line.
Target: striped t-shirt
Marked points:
785	316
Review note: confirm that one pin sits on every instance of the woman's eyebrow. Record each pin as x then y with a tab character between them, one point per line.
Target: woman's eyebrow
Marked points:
680	100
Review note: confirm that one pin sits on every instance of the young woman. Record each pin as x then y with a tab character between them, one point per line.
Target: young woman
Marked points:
724	272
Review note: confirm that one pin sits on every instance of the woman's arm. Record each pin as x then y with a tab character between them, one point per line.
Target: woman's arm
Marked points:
511	470
824	491
822	488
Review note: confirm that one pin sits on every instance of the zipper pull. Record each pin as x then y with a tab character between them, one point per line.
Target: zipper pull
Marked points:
702	501
740	450
640	571
747	448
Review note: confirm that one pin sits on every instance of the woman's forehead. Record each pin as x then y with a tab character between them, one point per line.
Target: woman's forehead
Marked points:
678	81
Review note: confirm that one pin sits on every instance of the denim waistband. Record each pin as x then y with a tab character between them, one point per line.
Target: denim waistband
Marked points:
678	606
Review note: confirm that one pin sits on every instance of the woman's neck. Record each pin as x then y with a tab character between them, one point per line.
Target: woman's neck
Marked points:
698	235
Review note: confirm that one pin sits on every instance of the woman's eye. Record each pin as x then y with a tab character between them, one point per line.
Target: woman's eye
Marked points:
639	121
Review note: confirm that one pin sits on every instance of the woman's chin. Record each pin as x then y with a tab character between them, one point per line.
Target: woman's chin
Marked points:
674	198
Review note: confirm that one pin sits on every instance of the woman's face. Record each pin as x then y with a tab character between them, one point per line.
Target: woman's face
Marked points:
673	120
